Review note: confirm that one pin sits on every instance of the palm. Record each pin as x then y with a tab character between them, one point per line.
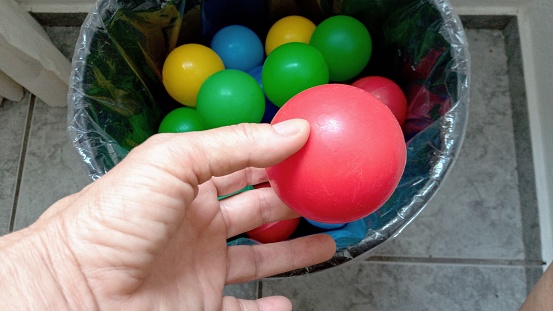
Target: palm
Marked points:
188	264
195	259
152	235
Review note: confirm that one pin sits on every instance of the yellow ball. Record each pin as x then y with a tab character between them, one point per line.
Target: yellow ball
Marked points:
292	28
185	70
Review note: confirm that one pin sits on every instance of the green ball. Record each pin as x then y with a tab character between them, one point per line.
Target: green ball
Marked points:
346	45
292	68
180	120
230	97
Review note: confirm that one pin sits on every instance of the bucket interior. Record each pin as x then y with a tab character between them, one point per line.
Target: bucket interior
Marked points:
117	99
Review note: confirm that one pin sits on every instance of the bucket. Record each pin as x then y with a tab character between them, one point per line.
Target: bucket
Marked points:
117	99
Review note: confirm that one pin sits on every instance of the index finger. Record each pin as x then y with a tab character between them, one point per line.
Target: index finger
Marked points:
195	157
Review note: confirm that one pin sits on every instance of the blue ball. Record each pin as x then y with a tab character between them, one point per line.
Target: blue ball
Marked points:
351	234
323	225
270	108
238	47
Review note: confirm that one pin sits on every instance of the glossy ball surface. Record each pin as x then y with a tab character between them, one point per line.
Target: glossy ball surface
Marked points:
352	161
230	97
239	47
186	68
346	45
323	225
293	28
181	120
388	92
292	68
277	231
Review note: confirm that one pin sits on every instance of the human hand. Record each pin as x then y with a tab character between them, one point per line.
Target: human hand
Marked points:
151	234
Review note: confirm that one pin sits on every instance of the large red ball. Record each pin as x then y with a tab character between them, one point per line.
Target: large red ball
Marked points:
388	92
352	161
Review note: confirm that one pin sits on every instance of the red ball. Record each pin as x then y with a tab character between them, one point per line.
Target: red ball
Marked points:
275	231
388	92
352	161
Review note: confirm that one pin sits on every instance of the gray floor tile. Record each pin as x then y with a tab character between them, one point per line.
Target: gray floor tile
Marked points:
476	212
64	38
52	169
388	286
242	291
59	19
13	117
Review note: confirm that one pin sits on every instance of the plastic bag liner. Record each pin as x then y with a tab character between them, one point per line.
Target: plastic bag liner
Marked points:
116	98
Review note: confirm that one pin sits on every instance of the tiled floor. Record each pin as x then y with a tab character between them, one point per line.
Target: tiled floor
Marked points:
474	247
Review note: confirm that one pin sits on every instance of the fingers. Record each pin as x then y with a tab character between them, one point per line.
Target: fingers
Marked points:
238	180
252	209
197	156
273	303
246	263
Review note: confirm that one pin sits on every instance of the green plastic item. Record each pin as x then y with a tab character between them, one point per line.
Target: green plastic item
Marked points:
345	44
230	97
182	120
291	68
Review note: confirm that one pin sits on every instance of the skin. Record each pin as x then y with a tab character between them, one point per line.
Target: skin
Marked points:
151	234
540	298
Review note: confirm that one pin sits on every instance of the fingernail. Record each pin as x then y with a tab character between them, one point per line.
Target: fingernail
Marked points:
290	127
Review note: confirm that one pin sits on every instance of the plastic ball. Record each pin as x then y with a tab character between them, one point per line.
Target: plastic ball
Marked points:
262	185
352	161
292	68
270	108
351	234
186	68
323	225
291	28
181	120
275	231
230	97
239	47
346	45
388	92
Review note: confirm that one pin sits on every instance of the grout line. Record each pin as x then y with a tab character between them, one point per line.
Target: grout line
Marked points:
22	157
259	289
39	7
484	9
458	261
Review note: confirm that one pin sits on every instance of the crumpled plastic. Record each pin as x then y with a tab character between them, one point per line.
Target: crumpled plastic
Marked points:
116	98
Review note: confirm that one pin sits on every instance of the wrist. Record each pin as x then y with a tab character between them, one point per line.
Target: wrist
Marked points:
38	272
